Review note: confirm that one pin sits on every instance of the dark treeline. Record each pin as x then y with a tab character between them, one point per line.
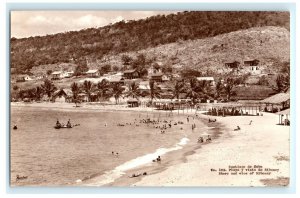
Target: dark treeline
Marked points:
134	35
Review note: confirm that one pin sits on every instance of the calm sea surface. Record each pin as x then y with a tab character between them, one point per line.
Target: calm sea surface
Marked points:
48	156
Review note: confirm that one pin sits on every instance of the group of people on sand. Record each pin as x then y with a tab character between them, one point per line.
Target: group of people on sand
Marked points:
137	175
158	159
201	139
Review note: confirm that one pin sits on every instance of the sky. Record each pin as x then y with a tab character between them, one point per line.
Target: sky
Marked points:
39	23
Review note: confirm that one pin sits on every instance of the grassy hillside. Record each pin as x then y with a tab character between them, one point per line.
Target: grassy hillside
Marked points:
268	44
94	44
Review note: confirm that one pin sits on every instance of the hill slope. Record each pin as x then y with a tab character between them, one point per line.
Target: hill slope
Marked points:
267	44
95	43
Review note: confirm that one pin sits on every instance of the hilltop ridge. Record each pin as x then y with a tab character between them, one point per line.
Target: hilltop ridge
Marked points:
95	44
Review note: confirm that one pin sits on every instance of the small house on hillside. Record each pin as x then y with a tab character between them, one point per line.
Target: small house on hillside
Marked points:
57	75
165	78
28	78
116	80
232	65
93	73
68	74
252	66
255	70
23	78
153	70
130	74
210	80
157	77
144	87
254	62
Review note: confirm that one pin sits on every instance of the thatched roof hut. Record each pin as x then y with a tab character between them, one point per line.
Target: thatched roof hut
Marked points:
277	98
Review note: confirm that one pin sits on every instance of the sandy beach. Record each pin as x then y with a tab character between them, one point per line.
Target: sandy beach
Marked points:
256	155
263	143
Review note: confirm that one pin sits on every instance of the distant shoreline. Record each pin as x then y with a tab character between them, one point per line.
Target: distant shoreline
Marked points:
97	107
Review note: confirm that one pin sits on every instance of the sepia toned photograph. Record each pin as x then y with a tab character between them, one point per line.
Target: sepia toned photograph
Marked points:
149	98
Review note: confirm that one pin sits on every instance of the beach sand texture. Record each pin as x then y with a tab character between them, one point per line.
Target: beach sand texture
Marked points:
262	143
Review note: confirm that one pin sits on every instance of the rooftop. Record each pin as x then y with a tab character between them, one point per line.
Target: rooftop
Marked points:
56	72
91	71
205	78
129	71
277	98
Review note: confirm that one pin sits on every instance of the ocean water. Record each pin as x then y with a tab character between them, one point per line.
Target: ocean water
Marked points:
58	157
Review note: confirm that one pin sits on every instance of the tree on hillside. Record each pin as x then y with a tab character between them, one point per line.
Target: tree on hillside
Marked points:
156	66
188	73
167	68
126	60
49	72
87	87
115	68
105	69
80	69
48	87
15	87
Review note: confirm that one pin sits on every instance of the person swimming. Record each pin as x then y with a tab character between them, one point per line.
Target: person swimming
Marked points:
15	127
69	125
58	124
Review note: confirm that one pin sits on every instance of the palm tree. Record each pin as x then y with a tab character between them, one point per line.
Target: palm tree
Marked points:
178	88
87	87
117	91
192	91
133	90
48	87
229	86
75	90
154	91
282	83
218	89
103	88
38	93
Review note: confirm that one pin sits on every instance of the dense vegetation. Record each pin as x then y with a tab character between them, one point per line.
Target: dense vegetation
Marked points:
94	43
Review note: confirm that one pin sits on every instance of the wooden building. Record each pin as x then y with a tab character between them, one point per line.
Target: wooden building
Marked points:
130	74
